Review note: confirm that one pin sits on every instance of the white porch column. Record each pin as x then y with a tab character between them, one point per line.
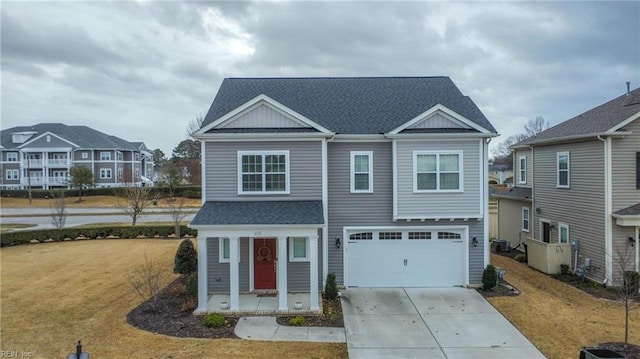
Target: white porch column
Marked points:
282	273
234	273
313	270
203	285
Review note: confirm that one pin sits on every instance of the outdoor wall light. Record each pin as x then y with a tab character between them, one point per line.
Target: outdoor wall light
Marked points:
338	244
474	241
631	241
538	210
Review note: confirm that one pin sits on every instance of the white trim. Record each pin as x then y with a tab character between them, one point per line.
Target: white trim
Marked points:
249	105
394	165
203	172
263	154
292	257
45	149
312	245
558	155
15	174
47	134
203	284
352	173
437	172
560	227
17	159
347	137
485	211
528	229
252	283
522	178
105	160
608	225
221	258
281	275
234	273
107	170
439	107
263	137
325	213
627	221
440	135
637	238
440	217
620	125
574	138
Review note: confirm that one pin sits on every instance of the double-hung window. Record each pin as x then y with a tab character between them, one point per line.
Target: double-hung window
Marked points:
522	171
437	171
563	233
563	169
263	172
12	175
298	249
12	157
105	156
525	219
361	171
105	173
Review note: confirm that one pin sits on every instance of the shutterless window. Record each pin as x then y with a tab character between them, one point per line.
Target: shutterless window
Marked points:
105	156
298	251
525	219
367	236
563	169
11	175
263	173
223	250
105	173
437	171
419	235
12	157
563	233
448	235
85	155
390	235
119	156
362	172
523	169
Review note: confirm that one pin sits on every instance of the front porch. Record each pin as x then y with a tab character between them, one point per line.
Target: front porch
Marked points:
263	304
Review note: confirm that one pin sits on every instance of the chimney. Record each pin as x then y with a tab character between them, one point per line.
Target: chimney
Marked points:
628	87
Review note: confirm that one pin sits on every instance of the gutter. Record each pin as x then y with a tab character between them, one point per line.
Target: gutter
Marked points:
573	138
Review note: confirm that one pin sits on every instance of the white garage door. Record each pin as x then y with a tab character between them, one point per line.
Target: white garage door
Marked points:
400	257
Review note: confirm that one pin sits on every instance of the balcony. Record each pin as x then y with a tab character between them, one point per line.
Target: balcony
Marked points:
32	163
40	181
35	181
59	162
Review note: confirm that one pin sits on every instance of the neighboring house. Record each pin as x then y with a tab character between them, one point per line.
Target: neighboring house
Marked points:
500	174
580	180
381	181
41	155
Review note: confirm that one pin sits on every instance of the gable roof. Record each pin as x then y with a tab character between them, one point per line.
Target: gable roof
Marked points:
607	118
350	105
81	136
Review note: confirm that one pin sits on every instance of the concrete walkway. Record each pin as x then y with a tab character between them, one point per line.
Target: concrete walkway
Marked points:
266	328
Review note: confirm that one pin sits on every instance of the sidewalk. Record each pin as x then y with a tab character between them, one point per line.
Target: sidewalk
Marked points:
81	211
266	328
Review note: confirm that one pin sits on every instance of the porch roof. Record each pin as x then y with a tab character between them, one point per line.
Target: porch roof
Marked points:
259	212
629	211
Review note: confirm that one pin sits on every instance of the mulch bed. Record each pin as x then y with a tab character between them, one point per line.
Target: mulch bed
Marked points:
164	315
503	290
630	352
331	317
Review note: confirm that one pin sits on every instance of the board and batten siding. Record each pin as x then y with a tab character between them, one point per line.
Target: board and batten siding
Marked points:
436	204
623	168
516	167
582	206
348	209
305	172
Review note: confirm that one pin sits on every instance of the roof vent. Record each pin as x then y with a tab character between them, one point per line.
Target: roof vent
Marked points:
21	137
628	88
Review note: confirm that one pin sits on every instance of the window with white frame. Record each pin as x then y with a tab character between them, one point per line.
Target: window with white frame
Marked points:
224	250
298	249
137	156
387	236
522	171
85	155
120	173
105	156
362	171
119	156
263	172
563	169
137	173
525	219
437	171
105	173
12	175
449	235
364	236
563	233
12	157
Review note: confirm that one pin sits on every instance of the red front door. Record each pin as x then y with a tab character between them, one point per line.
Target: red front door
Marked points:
264	259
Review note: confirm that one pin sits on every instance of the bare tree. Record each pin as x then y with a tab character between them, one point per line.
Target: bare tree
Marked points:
132	200
176	208
502	149
533	127
628	293
58	209
149	278
194	125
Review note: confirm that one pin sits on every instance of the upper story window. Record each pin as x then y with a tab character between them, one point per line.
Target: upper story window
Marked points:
522	170
12	156
263	172
105	156
563	169
525	219
437	171
362	171
119	156
85	155
137	156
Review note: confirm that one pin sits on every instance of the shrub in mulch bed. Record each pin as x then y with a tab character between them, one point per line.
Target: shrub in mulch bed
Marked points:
166	316
331	316
504	289
630	352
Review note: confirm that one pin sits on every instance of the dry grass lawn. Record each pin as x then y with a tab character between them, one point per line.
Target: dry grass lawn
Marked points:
91	201
557	318
56	293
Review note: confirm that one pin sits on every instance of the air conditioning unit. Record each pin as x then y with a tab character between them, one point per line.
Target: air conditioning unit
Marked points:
597	353
502	245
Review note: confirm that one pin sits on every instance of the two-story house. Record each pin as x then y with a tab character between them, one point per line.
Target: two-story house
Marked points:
381	181
41	155
580	181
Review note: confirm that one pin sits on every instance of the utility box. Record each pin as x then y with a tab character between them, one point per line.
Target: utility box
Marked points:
597	353
502	245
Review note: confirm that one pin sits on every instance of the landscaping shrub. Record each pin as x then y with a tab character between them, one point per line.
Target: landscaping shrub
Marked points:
186	260
631	281
189	305
297	321
564	269
177	289
331	288
213	320
489	277
191	284
520	257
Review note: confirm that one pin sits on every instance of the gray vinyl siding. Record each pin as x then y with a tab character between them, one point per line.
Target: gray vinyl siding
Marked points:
434	204
54	142
298	276
623	253
105	165
516	168
77	155
510	220
263	117
217	270
375	209
623	168
305	172
581	206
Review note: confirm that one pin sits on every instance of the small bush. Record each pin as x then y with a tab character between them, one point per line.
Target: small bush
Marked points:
189	305
631	281
191	285
331	288
213	320
564	269
186	260
520	257
489	277
297	321
177	290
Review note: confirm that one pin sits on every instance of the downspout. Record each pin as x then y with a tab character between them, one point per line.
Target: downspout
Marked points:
325	209
532	211
485	200
608	235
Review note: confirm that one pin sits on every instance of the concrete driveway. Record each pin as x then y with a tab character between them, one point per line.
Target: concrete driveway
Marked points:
451	323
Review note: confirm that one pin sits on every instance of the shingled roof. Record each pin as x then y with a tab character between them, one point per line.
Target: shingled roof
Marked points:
259	212
350	105
594	122
83	136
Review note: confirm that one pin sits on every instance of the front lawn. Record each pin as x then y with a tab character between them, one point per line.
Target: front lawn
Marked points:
53	294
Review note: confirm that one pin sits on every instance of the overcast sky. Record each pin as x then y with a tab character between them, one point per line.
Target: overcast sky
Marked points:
143	70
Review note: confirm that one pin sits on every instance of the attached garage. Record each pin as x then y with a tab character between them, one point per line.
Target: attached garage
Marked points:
406	256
